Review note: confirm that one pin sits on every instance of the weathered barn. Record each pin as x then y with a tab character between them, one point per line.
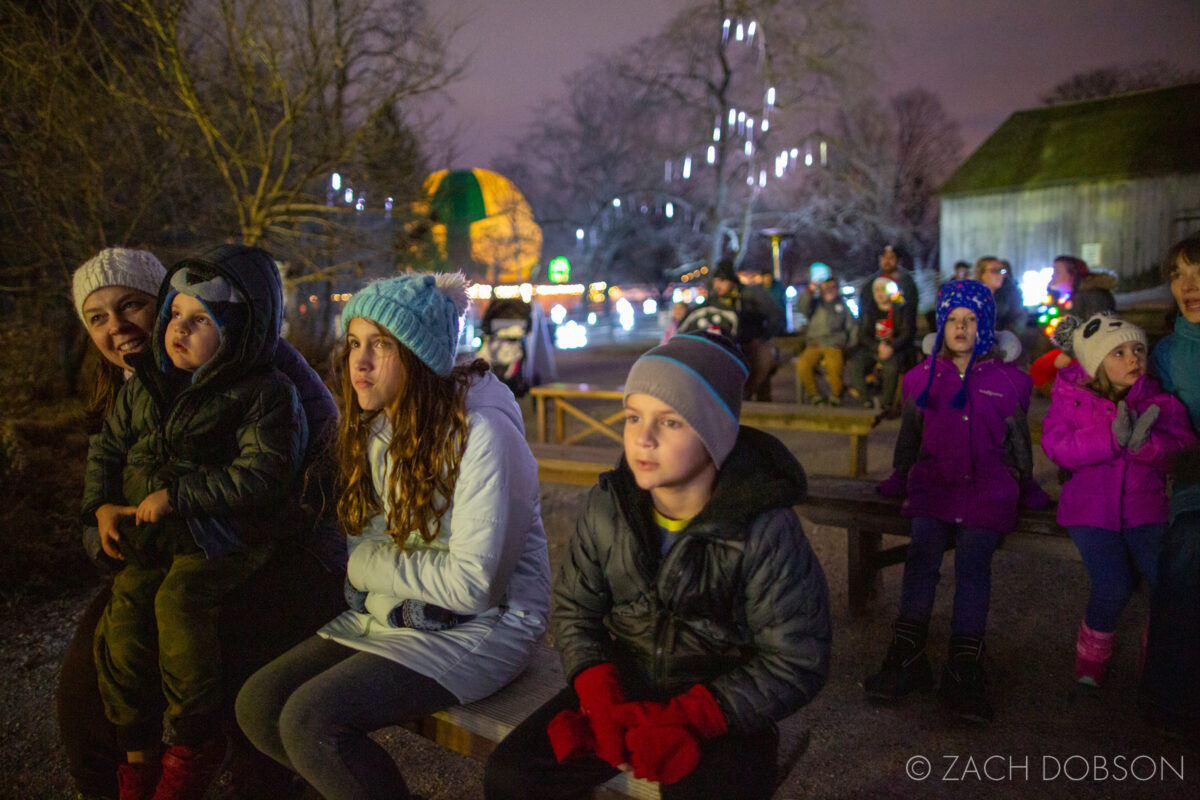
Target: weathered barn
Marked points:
1114	181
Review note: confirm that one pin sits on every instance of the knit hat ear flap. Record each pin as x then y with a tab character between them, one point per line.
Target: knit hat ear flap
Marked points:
923	397
1064	332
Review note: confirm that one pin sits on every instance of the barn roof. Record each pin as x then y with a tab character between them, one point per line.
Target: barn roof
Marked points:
1140	134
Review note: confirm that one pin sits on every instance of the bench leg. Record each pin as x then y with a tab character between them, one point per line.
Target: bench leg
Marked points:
858	456
861	574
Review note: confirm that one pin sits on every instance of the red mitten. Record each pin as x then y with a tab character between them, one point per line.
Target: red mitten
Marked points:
1043	370
664	754
664	739
599	692
570	735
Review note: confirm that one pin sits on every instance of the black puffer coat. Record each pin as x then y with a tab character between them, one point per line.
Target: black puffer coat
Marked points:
738	603
227	447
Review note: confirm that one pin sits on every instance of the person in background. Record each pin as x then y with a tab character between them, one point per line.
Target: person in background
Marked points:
1079	292
885	340
996	274
1170	684
829	332
115	295
1114	430
963	463
690	611
961	271
778	293
678	312
759	318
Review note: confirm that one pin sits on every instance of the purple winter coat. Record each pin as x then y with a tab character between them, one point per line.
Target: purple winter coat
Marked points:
1111	487
965	466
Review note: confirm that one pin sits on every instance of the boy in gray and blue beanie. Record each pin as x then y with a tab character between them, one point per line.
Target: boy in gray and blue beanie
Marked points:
693	532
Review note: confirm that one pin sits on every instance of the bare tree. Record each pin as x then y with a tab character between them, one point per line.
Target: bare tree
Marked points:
283	94
882	183
636	128
1115	79
80	170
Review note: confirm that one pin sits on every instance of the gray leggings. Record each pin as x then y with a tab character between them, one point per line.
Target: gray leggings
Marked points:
312	709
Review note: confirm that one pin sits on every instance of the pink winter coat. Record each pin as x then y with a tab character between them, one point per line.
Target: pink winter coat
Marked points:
1111	487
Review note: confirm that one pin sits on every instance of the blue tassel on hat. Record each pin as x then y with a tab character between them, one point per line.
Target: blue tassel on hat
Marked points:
978	298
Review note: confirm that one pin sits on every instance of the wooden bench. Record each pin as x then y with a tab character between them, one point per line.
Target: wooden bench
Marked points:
849	503
476	728
853	504
854	423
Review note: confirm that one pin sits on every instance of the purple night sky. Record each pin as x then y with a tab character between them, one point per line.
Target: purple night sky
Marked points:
984	58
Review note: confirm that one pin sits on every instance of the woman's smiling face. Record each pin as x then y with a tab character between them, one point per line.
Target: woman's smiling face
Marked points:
120	321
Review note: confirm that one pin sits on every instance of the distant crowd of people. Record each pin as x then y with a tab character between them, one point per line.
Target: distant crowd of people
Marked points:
290	572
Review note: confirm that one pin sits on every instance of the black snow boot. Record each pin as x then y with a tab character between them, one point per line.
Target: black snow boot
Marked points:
905	668
964	688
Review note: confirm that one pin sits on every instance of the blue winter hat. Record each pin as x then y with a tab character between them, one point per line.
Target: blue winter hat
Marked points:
220	299
421	310
978	298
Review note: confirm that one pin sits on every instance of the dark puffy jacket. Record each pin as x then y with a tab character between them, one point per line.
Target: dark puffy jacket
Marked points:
227	447
738	603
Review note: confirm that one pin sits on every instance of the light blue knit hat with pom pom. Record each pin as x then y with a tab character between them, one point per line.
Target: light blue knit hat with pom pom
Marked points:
421	310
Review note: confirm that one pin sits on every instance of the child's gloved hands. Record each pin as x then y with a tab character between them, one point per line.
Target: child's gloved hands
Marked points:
1141	428
664	738
570	735
599	693
1122	425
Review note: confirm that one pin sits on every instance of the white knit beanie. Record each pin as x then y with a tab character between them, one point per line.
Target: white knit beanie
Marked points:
117	266
1094	339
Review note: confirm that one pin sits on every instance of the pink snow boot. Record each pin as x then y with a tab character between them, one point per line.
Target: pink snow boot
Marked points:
1092	651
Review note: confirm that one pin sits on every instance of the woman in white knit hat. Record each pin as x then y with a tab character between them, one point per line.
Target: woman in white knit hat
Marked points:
115	294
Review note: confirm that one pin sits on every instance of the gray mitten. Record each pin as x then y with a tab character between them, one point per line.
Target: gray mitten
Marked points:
1141	430
355	598
1122	426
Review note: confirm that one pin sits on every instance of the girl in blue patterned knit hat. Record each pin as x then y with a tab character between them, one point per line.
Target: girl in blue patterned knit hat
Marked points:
962	462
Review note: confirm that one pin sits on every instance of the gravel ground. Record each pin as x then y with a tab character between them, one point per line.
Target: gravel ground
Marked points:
1050	738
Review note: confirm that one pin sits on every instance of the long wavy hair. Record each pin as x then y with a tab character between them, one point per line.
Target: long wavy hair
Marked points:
106	379
429	435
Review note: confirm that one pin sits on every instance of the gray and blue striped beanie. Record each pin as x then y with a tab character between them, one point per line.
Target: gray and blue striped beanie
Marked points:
421	310
701	376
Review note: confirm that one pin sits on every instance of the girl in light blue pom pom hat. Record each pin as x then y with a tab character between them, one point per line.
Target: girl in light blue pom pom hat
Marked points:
448	580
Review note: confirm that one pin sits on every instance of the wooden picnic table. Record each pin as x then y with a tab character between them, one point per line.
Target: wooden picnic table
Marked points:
854	423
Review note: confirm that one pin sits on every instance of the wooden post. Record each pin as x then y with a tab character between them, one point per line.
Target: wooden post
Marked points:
862	577
858	456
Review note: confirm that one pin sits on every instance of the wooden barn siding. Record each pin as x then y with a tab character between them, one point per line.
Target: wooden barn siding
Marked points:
1135	221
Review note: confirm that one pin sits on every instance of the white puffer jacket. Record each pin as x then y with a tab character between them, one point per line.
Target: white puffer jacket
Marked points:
490	560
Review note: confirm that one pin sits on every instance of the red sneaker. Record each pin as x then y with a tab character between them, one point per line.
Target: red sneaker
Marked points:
187	772
137	781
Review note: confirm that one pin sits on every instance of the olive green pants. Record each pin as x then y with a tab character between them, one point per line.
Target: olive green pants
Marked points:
157	640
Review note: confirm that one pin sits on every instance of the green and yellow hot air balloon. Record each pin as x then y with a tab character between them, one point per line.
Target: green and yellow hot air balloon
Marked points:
483	225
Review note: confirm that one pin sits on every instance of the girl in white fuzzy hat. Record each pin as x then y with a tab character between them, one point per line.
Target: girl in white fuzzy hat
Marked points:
448	580
1114	430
